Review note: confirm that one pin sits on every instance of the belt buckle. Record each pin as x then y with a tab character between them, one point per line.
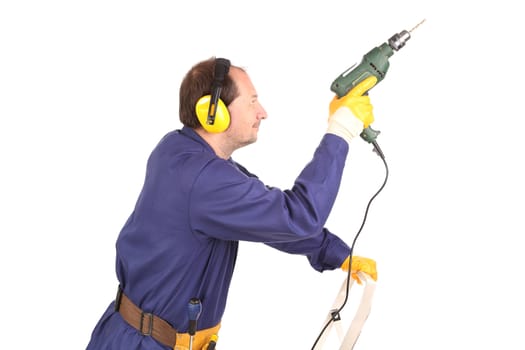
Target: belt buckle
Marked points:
144	315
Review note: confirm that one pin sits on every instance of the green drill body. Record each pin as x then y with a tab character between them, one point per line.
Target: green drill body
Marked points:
374	63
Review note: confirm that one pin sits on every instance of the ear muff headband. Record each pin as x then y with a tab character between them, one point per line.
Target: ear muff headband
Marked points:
210	109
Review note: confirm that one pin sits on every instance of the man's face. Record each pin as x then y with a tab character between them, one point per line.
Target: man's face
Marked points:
246	112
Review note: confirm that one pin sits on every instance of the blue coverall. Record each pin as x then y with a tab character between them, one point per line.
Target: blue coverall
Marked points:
182	237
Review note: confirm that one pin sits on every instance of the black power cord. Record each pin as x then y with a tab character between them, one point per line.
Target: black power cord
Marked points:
335	315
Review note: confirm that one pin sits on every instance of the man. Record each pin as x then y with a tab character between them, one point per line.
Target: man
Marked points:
176	253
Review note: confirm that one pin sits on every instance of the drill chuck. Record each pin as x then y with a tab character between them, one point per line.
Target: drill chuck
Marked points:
399	40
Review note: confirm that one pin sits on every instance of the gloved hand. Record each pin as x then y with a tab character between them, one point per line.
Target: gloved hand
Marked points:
359	263
352	112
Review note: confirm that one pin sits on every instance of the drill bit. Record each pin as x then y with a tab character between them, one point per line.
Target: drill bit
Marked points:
417	25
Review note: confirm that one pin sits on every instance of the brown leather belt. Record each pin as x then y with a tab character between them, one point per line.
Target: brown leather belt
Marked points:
146	323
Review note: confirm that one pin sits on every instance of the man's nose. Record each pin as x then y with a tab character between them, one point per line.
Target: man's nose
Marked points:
262	114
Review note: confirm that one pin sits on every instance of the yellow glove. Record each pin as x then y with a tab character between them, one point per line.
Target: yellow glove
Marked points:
365	265
356	102
352	112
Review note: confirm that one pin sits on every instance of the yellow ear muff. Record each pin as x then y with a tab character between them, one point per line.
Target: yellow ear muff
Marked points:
222	115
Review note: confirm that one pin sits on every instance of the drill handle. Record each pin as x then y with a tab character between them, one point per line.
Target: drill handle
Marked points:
369	135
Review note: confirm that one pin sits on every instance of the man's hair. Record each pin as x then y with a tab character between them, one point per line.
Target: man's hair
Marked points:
197	83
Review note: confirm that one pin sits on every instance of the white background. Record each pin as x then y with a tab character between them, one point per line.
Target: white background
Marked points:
87	88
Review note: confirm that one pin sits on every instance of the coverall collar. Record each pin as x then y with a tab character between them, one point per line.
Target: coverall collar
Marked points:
189	132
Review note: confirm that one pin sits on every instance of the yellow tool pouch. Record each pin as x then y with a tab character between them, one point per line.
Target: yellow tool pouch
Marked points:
201	339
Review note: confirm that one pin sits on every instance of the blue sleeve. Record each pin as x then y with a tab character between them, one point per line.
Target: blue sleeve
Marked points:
227	204
325	251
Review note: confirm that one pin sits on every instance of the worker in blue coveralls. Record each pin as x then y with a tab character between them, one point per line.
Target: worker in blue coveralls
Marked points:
176	253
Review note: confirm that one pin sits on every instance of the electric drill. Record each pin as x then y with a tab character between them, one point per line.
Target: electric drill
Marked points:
375	63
